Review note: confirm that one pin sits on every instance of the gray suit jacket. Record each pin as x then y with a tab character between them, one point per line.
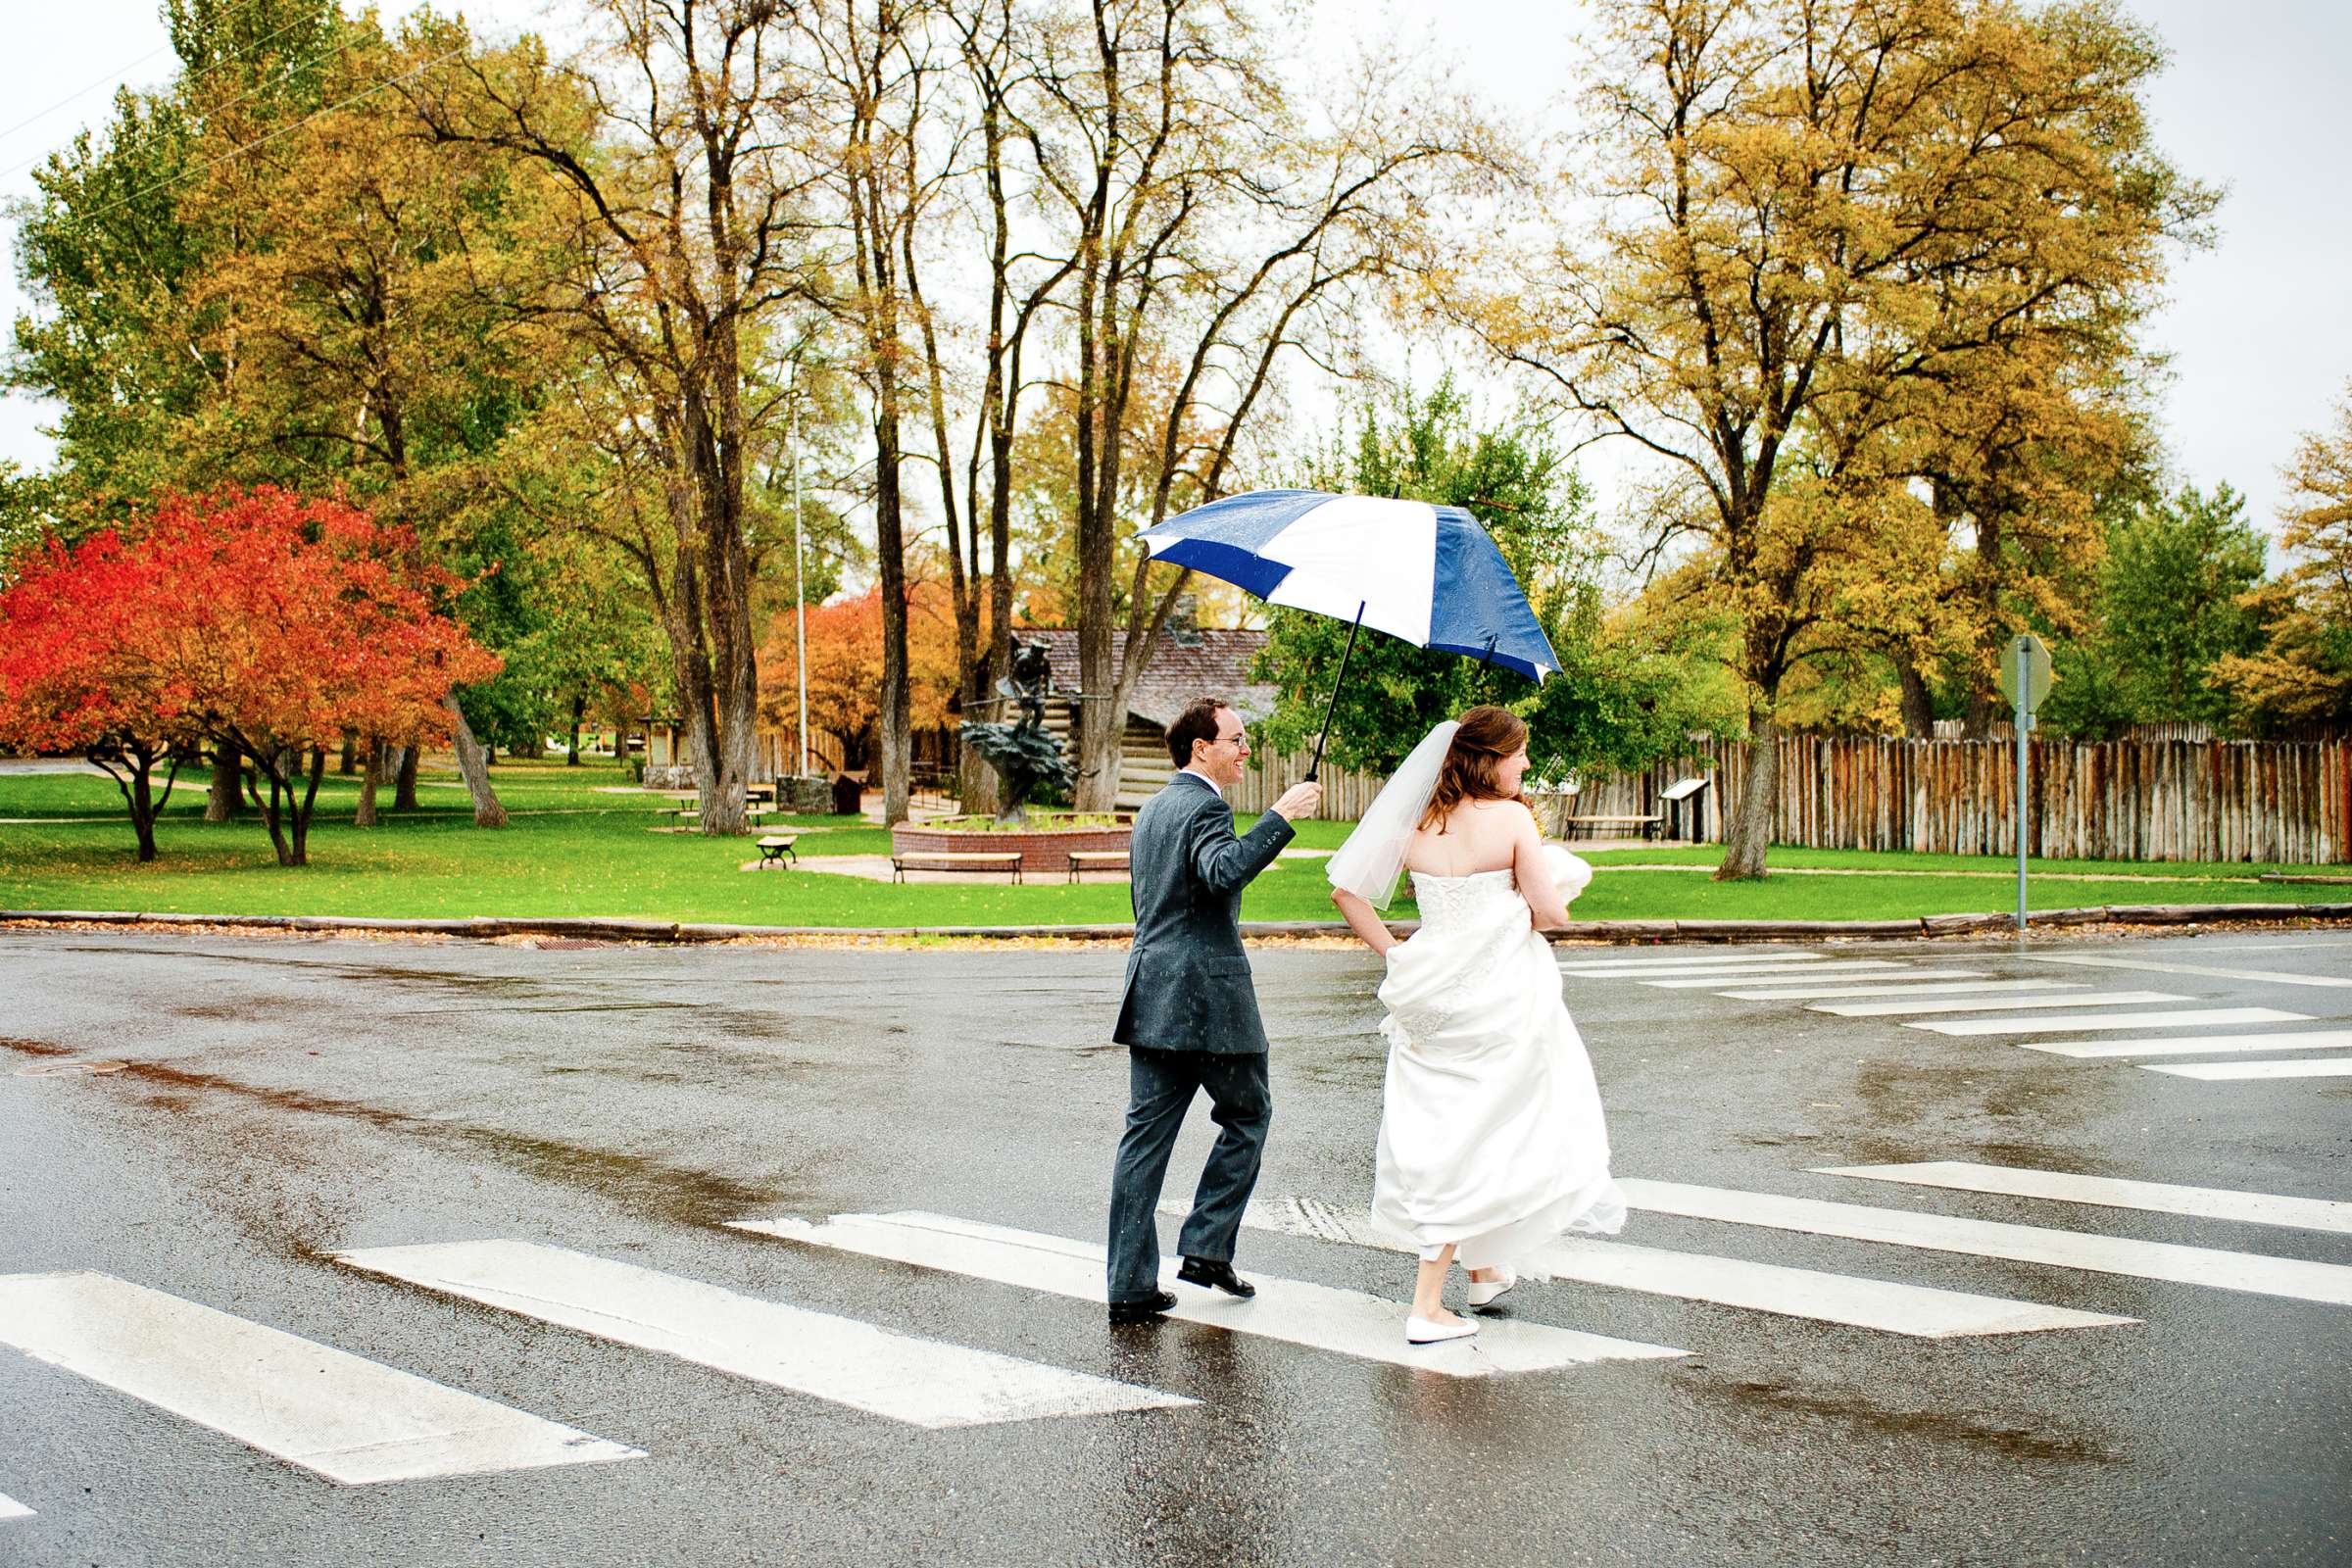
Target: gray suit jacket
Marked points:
1187	981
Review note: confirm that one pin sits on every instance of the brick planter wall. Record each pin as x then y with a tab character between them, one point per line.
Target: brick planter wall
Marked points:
1042	849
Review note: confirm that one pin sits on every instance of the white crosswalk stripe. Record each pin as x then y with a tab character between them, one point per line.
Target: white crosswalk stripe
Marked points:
11	1508
2194	1044
1902	988
2306	1068
2276	977
352	1420
2061	1022
1348	1322
848	1362
2156	1197
1682	959
2084	999
1918	1311
1625	970
2252	1272
1708	979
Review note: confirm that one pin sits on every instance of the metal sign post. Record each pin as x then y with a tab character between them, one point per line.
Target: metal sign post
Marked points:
2024	681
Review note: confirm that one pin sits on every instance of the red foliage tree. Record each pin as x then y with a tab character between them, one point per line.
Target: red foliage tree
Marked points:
89	664
264	619
845	663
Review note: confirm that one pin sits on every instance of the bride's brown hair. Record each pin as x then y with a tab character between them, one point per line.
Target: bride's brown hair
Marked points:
1487	736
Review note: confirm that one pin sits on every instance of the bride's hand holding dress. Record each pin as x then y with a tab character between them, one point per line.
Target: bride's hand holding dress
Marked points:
1570	872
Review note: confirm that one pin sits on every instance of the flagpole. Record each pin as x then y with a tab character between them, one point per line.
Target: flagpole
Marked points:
800	591
1316	767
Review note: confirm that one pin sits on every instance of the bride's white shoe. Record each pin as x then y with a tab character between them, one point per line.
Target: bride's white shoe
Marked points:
1484	1293
1428	1331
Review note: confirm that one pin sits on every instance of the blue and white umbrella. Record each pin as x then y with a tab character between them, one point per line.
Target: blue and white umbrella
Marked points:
1423	572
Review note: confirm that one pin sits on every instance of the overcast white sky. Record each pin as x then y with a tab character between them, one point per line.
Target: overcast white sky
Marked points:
2258	328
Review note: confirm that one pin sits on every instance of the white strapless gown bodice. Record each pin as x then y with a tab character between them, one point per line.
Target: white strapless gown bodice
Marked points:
1492	1134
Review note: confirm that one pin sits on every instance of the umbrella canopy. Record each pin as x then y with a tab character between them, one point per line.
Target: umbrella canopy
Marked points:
1424	573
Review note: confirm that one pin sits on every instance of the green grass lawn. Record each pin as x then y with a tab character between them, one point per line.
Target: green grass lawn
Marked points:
572	849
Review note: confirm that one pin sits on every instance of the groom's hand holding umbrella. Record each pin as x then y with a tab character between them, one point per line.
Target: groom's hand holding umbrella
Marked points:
1299	801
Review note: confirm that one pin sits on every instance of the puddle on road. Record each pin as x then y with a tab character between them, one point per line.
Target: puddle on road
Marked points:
641	1183
1985	1433
34	1047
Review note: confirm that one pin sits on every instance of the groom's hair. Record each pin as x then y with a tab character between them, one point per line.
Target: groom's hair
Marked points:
1197	722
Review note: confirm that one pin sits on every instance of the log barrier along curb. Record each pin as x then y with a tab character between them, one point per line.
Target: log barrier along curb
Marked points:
1627	931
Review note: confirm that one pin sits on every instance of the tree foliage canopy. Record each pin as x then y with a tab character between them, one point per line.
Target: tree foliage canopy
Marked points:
274	623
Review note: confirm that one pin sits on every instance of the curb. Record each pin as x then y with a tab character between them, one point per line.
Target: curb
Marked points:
1646	931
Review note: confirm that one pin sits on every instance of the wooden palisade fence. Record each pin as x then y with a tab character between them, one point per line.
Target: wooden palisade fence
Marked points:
2289	802
1346	794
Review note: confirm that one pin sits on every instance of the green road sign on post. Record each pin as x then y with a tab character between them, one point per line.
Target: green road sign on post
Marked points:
2024	681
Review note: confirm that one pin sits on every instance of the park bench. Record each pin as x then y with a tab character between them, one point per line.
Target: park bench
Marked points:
1648	822
1097	861
694	814
776	849
953	860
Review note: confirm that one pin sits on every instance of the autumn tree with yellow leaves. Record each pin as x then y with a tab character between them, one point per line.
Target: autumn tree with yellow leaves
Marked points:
1806	235
2304	674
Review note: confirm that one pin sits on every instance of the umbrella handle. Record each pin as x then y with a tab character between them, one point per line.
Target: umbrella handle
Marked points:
1316	767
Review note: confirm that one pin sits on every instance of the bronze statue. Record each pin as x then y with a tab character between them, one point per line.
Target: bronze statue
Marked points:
1025	755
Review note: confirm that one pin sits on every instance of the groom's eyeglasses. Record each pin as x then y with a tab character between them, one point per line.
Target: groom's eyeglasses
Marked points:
1242	740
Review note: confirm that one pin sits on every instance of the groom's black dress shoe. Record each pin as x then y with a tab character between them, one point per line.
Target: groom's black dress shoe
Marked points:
1215	1274
1143	1310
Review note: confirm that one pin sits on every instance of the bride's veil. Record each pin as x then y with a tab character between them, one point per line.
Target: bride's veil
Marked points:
1369	862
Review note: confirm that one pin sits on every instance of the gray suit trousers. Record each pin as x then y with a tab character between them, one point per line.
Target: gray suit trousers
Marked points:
1162	1085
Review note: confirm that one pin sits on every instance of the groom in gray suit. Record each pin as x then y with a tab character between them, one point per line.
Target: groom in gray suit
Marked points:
1189	1013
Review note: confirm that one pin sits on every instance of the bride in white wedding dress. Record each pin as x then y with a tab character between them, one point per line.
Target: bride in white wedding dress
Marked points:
1491	1140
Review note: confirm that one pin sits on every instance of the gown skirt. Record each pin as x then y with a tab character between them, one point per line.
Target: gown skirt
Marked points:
1491	1135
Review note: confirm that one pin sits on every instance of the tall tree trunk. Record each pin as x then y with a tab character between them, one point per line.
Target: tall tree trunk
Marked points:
889	549
349	761
273	768
1985	704
142	810
734	686
1098	674
300	809
579	709
136	782
1750	836
228	767
370	759
403	788
1919	703
689	653
487	812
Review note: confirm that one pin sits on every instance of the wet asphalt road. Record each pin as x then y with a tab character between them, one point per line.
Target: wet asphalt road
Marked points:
286	1099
